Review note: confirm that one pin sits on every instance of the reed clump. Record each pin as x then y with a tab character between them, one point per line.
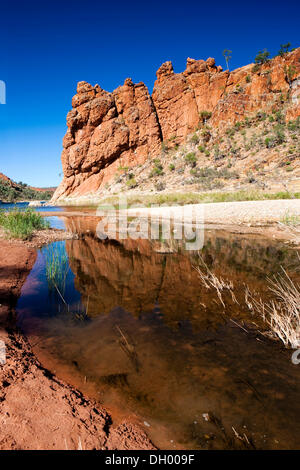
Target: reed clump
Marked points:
57	267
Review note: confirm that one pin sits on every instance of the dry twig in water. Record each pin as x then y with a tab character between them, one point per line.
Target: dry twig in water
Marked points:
282	314
128	348
210	280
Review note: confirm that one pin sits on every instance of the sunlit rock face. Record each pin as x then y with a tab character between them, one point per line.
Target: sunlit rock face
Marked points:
106	131
124	128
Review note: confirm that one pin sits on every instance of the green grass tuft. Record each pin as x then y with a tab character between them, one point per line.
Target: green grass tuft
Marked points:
57	267
22	224
291	220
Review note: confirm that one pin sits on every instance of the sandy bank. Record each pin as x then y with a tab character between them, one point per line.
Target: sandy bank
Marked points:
265	218
229	213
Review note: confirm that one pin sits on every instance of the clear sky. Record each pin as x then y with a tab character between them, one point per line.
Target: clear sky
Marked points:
46	47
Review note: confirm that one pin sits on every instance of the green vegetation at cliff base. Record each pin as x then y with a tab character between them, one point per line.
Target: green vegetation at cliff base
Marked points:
198	198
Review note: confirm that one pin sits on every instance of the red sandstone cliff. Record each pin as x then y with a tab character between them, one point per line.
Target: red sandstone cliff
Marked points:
126	127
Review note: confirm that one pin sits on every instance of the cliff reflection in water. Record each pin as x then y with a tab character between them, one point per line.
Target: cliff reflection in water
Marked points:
139	274
160	345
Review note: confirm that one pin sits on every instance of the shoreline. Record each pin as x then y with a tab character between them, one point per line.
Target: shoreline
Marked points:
241	194
268	218
38	410
86	424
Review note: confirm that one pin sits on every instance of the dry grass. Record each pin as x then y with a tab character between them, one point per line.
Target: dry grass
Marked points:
282	315
211	281
128	348
184	198
291	223
291	220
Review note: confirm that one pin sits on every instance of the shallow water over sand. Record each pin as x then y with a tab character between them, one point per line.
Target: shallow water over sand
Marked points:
146	338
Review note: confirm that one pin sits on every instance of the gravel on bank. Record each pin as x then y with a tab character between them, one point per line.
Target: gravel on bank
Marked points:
39	238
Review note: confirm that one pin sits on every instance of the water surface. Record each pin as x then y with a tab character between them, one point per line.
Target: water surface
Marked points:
143	336
25	205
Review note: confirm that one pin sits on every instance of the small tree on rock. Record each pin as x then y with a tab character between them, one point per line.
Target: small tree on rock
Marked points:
284	49
227	56
262	57
204	116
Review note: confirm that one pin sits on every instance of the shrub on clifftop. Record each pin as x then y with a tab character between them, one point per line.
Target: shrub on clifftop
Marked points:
262	57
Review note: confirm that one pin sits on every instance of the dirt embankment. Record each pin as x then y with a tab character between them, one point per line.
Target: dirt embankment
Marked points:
38	411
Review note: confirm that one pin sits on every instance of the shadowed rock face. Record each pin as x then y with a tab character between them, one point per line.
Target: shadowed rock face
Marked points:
125	127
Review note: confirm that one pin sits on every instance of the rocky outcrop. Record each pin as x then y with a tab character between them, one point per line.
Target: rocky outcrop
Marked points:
6	180
179	99
108	131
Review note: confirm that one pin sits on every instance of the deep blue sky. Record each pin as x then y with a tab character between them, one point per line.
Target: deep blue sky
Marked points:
48	46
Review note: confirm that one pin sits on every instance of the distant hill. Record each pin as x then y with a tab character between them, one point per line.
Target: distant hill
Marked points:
5	179
10	191
51	189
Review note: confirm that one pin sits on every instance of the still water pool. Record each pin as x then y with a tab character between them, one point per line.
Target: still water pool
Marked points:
134	328
25	205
